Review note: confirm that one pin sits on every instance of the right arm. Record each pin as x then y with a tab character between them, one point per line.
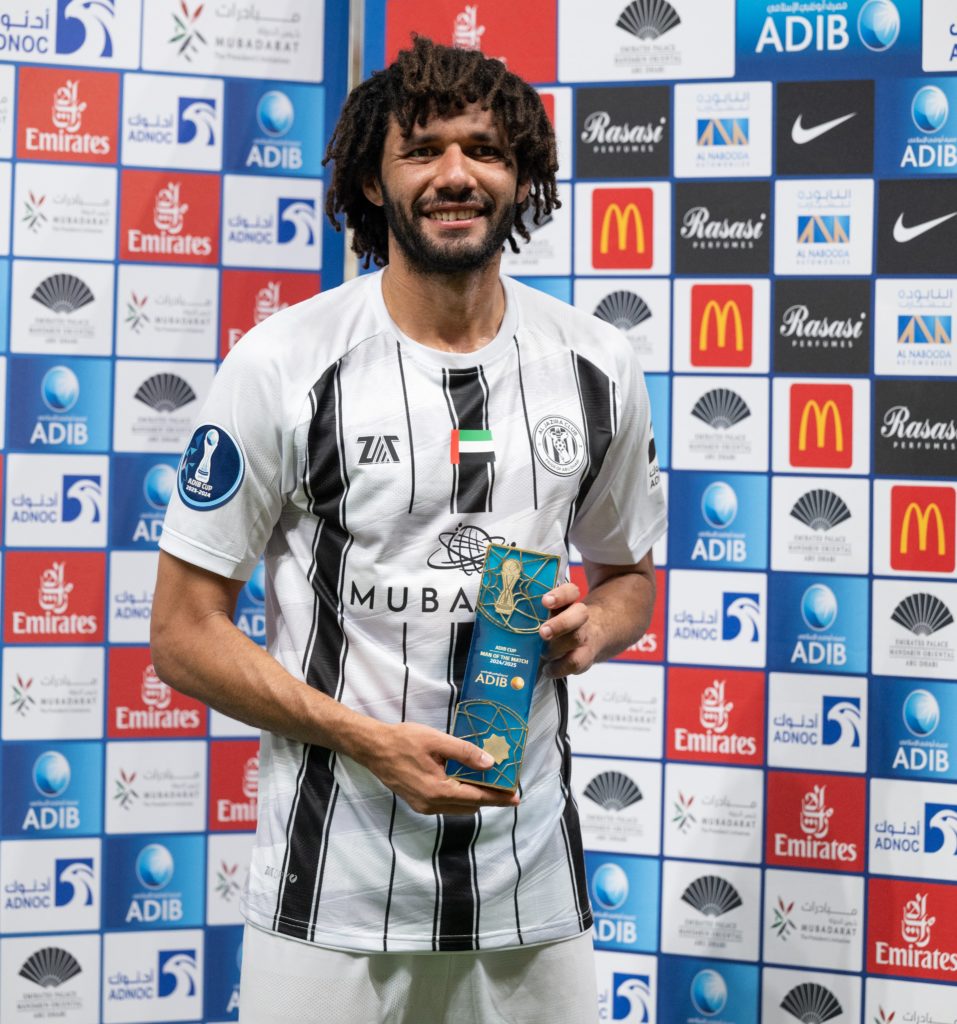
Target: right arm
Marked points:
197	649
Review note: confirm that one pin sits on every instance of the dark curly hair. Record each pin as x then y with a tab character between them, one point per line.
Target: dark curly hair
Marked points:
426	81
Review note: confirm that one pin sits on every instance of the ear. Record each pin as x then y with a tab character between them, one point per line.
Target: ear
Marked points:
521	192
373	191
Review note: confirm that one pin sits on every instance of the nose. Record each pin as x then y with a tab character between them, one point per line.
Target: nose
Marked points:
453	171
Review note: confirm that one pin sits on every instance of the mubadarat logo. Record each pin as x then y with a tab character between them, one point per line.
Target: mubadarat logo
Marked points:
915	427
67	115
48	692
822	326
622	132
211	470
722	228
825	127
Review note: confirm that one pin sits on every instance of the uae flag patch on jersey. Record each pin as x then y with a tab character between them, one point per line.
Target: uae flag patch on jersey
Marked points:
472	446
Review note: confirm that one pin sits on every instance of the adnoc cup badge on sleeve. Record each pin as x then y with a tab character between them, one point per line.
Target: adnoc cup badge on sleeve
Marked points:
502	664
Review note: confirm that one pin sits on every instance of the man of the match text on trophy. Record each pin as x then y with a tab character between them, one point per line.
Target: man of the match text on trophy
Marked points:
368	443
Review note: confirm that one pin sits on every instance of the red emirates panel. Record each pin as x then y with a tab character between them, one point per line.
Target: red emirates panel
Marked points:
715	716
525	39
233	785
54	597
68	115
722	321
822	425
815	821
169	217
923	531
912	929
142	706
248	297
622	228
651	646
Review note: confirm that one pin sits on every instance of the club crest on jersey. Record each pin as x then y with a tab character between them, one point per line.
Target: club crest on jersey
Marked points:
212	468
378	448
559	445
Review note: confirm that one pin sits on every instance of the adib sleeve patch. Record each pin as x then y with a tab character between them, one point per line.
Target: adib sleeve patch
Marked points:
211	470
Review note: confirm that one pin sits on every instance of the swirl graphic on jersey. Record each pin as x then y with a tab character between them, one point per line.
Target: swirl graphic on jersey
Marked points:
512	590
462	548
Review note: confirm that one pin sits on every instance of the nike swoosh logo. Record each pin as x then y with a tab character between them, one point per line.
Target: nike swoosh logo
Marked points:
904	234
802	135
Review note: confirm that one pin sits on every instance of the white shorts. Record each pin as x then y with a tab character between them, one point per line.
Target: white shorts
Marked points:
289	982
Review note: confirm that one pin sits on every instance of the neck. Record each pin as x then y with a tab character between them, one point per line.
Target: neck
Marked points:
449	312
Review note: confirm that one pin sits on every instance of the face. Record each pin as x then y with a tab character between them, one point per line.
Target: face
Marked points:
449	192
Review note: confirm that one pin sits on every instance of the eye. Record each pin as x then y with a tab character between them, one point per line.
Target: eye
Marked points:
420	152
487	153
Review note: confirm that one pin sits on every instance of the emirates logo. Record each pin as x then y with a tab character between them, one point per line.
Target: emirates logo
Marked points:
67	112
815	814
54	594
714	711
915	924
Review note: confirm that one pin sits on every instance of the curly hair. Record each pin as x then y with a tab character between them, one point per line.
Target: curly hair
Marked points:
427	81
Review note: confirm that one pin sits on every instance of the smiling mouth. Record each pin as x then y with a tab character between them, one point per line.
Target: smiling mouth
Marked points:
452	215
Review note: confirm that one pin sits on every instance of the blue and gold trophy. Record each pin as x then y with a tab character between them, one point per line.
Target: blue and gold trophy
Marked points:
502	664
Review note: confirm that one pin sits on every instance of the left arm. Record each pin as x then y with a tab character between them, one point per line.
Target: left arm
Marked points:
615	613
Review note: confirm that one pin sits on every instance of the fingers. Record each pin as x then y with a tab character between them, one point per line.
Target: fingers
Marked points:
451	796
563	595
572	618
449	748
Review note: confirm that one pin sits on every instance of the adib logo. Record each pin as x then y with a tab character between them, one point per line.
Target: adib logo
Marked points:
158	484
623	228
156	883
718	523
196	121
67	116
877	28
821	425
275	115
625	916
933	148
921	751
723	131
250	614
810	633
53	808
721	325
923	532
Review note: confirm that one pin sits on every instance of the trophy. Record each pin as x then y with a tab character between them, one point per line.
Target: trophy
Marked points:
502	663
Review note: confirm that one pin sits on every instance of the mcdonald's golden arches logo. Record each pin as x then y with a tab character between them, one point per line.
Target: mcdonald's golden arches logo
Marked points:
922	528
721	325
822	425
622	228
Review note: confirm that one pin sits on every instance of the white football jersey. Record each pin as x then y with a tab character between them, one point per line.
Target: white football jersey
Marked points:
372	471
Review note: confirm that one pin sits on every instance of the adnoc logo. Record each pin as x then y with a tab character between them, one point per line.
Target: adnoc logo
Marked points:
297	222
83	27
51	773
197	121
878	25
60	389
709	993
741	617
930	109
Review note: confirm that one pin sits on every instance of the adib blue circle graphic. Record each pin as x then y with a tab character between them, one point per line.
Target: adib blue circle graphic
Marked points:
819	607
878	25
51	773
275	113
158	485
610	884
257	584
719	505
921	712
709	993
211	469
154	866
930	109
60	389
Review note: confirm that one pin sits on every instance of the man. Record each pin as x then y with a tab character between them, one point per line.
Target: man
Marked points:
370	441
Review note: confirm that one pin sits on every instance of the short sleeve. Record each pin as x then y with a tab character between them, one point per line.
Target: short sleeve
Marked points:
624	512
228	488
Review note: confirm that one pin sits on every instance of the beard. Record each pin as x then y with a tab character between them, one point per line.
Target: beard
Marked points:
455	256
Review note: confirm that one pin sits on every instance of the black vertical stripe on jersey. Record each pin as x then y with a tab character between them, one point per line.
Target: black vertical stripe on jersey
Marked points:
570	825
327	485
405	698
408	421
467	394
518	869
528	426
594	392
455	922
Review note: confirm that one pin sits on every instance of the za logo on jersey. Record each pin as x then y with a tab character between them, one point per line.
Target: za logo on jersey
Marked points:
378	448
211	470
